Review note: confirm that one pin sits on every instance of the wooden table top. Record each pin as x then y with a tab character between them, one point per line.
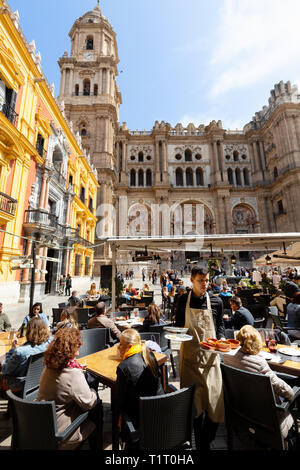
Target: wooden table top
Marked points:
104	364
5	342
289	366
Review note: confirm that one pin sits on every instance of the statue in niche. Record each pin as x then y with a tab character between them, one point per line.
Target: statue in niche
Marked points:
244	219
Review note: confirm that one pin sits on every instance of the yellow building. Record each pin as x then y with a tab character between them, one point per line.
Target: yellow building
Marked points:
40	159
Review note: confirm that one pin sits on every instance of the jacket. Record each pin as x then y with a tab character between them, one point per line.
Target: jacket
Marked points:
242	317
134	380
293	315
16	361
41	315
72	395
257	364
102	321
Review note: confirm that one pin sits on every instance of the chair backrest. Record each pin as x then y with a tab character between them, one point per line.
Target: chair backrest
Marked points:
56	312
225	301
250	409
273	314
164	342
33	375
166	420
150	336
34	424
94	340
62	305
82	316
259	322
229	333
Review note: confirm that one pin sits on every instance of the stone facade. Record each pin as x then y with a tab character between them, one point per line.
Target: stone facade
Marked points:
246	181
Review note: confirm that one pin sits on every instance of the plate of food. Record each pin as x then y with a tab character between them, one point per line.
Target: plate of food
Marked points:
220	346
290	351
176	329
179	337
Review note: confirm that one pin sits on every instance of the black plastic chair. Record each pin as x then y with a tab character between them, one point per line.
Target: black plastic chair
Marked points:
259	322
63	305
276	319
146	336
165	421
165	343
94	340
56	312
33	375
251	411
35	425
229	333
82	316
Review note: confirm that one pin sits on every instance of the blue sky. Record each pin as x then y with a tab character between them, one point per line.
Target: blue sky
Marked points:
182	61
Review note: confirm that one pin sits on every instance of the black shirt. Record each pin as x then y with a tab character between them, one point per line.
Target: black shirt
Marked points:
201	303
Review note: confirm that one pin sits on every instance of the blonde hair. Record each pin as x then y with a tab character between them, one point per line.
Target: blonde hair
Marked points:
71	316
93	289
132	337
250	339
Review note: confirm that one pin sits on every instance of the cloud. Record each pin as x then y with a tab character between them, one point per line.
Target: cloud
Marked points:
254	39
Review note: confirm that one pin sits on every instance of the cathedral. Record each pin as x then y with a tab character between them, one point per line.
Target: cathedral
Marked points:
246	181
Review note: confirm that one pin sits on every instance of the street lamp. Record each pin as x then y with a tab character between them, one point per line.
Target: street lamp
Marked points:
268	260
233	259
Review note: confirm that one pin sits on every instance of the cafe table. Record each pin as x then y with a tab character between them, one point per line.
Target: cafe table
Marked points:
5	344
283	363
104	365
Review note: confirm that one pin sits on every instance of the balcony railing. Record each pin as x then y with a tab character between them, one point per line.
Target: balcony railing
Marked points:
10	113
36	216
8	204
82	241
84	93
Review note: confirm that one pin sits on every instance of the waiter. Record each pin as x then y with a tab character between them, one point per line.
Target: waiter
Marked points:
202	314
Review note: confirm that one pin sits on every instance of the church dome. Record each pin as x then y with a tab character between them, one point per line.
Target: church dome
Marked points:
93	16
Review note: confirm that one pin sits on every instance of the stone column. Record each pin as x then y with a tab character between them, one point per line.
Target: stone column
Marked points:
71	78
62	83
123	215
262	154
156	164
46	195
100	82
38	264
43	192
25	277
225	177
44	263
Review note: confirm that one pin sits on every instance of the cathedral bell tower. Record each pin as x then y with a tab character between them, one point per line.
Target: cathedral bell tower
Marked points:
91	100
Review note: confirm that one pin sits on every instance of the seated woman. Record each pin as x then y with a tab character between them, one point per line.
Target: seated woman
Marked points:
67	319
130	290
154	317
279	301
146	287
36	312
63	380
293	316
92	293
138	375
247	358
16	361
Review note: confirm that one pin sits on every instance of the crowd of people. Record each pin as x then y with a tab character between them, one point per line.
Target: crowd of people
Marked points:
199	306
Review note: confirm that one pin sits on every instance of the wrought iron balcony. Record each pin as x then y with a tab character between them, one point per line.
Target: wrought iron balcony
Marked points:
10	113
8	204
59	177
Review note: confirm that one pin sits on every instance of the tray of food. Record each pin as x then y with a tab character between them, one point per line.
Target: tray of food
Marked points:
228	346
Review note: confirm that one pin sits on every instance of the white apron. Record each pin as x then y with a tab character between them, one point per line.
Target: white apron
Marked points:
201	367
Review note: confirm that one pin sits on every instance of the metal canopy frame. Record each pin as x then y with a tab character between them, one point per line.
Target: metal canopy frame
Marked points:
224	242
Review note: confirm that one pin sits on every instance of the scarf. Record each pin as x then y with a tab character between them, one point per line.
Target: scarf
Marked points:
135	349
74	364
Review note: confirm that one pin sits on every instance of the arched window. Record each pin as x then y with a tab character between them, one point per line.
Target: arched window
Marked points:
86	87
141	178
188	155
189	177
199	177
95	90
141	157
89	43
148	178
230	176
235	156
179	177
76	90
238	177
132	178
275	173
83	131
246	176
